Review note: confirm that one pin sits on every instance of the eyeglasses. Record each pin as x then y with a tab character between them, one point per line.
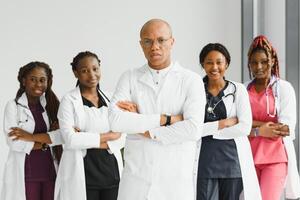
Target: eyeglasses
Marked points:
160	41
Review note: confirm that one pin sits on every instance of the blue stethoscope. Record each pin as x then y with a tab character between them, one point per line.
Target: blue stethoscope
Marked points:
211	108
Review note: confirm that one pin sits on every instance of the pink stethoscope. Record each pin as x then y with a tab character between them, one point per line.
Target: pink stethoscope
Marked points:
274	80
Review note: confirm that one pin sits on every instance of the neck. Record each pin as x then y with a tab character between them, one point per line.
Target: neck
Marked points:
216	84
262	82
159	67
88	91
32	100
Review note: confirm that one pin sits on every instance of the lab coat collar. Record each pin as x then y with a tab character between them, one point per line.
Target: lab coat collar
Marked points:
23	101
147	78
273	81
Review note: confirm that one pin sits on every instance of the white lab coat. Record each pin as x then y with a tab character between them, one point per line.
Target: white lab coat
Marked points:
242	110
19	115
70	181
285	101
161	168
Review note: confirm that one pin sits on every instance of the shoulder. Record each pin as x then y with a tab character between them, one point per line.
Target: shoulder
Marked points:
71	95
134	72
187	74
285	85
11	105
238	86
285	90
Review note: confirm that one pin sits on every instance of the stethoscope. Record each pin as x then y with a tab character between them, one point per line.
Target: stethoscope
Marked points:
210	108
274	80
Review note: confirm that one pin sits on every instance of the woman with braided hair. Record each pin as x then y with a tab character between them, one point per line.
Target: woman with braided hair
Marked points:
91	164
273	104
31	127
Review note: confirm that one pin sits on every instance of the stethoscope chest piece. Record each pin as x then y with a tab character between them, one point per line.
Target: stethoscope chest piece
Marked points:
210	110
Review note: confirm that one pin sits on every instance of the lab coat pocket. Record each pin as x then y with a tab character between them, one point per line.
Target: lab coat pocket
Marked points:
134	155
186	153
133	187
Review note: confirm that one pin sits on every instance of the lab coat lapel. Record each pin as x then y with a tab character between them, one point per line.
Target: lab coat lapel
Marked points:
23	106
146	77
78	105
169	80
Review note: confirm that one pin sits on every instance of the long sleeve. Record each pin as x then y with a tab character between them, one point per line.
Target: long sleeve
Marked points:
55	137
287	113
244	115
11	120
72	139
127	122
190	128
116	145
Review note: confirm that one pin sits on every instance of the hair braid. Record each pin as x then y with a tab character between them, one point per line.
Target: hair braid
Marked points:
262	43
51	99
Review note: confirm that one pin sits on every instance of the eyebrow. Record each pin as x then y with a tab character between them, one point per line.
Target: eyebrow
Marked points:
38	76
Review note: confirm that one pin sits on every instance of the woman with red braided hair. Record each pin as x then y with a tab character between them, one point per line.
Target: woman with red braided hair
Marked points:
273	104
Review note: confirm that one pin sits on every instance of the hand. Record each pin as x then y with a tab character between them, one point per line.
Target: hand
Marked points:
146	134
128	106
282	130
271	130
109	136
176	118
77	130
20	134
54	126
114	135
225	123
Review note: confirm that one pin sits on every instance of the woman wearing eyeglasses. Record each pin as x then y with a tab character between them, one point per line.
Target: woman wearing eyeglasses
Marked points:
225	163
273	104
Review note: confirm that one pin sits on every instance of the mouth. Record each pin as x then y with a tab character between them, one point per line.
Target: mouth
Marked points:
214	73
39	92
93	81
155	55
259	73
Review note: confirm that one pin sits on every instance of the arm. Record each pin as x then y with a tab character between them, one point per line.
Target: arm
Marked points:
244	115
190	129
115	145
123	121
287	113
224	123
11	120
78	140
20	134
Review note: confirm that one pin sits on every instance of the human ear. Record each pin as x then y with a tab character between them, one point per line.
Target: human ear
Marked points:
172	41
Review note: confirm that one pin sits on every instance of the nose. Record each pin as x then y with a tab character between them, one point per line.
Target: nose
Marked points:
259	65
155	45
214	65
38	83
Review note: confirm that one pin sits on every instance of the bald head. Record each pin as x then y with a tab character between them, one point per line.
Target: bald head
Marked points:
155	22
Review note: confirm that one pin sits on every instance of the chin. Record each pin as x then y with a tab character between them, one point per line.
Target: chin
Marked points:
215	77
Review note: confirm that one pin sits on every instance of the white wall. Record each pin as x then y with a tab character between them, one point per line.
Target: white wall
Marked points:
55	31
269	20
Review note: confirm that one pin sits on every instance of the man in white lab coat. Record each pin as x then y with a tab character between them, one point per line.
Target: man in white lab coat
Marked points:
159	154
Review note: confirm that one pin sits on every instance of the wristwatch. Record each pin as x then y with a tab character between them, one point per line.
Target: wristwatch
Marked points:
168	121
256	131
44	147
